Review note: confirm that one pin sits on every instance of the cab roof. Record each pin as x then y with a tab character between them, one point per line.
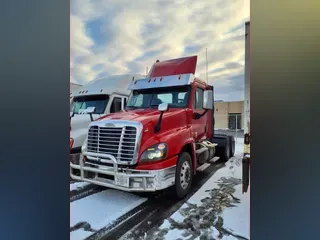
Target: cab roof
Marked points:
169	73
178	66
108	85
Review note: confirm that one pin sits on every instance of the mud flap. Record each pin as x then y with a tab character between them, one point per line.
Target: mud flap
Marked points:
245	174
223	148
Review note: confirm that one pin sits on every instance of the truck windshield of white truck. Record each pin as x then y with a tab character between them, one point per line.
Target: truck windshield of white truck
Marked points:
83	102
176	97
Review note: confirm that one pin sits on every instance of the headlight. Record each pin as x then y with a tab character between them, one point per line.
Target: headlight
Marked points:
71	142
155	153
84	145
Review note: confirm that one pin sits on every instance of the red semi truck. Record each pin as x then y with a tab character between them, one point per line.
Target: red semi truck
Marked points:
162	138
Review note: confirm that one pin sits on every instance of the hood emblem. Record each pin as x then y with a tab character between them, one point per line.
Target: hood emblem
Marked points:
109	125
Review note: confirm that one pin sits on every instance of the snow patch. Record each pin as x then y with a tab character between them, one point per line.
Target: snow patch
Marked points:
79	234
236	219
103	208
174	234
165	224
78	185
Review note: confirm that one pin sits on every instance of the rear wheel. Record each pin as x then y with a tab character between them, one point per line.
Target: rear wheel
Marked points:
184	175
226	151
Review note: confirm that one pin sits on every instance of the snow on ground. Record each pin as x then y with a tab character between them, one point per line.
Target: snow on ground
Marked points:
101	209
236	220
79	234
78	185
218	210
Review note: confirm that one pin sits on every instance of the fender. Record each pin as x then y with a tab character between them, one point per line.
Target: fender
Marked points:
174	138
190	142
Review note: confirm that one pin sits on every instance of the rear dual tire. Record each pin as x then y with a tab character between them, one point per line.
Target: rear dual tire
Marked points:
226	153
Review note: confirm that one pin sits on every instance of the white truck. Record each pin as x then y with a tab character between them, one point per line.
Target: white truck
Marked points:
94	100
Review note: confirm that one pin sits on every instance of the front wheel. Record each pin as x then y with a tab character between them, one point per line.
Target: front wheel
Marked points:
184	175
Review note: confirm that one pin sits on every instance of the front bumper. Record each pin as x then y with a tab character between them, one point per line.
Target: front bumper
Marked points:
125	179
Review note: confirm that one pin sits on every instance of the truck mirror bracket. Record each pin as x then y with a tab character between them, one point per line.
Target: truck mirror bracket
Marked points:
198	115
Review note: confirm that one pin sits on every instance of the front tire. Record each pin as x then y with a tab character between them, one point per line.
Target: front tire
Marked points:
184	175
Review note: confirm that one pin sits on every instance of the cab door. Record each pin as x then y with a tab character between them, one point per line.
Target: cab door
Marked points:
199	126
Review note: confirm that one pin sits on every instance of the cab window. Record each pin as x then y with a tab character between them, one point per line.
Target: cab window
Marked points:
198	99
116	105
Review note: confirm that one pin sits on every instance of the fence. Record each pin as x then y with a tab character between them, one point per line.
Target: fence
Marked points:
230	124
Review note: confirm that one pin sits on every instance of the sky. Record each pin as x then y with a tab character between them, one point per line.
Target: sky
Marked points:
111	37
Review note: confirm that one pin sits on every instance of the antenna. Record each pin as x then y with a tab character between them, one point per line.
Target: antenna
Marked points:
207	63
147	71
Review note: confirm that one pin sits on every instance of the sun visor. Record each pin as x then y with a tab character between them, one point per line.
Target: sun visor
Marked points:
174	67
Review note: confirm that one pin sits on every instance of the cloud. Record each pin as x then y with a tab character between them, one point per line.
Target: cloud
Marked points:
124	36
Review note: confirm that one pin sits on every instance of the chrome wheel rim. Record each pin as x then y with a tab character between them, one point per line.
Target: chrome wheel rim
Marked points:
185	175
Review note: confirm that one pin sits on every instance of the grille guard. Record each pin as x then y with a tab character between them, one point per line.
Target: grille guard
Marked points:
151	180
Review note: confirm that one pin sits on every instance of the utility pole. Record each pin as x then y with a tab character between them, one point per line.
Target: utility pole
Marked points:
207	63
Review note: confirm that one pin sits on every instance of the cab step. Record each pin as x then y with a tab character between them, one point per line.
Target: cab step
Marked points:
213	160
203	167
208	164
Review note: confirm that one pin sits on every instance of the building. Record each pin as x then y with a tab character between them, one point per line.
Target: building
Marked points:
229	115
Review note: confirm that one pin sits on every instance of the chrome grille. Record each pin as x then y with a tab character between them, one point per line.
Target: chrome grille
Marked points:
119	142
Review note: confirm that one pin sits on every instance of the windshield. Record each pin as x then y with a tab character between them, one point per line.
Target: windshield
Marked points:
176	97
83	102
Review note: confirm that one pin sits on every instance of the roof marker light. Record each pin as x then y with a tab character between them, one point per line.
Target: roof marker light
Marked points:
86	91
79	92
160	79
154	79
101	90
179	77
149	80
135	82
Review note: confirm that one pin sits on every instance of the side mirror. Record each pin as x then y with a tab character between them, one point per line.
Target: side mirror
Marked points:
207	100
163	107
89	110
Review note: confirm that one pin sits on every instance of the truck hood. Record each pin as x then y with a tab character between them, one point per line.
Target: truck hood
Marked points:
145	116
82	120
